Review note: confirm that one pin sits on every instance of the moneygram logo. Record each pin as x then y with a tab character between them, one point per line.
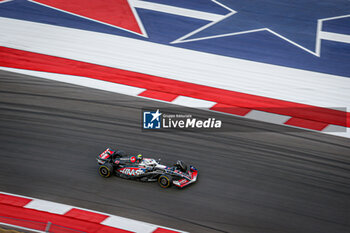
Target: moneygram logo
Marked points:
158	120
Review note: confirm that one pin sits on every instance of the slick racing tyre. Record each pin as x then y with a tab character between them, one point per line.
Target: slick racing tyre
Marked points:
106	170
165	181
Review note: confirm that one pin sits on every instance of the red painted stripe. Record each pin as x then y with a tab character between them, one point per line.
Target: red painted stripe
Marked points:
230	109
44	217
36	225
13	200
314	125
39	62
158	95
114	12
86	215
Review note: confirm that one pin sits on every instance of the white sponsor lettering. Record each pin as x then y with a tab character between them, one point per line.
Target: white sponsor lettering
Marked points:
191	123
131	172
199	124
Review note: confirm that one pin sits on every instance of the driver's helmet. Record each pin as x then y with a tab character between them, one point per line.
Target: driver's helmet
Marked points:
139	157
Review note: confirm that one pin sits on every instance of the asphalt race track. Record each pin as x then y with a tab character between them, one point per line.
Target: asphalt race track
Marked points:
254	178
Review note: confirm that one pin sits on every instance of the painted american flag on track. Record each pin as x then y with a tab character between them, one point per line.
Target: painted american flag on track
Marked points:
310	35
251	54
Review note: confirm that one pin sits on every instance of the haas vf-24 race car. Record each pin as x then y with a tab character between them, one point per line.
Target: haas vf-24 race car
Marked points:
145	169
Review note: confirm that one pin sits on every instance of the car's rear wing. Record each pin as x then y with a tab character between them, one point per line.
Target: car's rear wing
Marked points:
104	156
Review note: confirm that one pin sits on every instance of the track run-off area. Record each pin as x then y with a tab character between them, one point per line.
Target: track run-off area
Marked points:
253	177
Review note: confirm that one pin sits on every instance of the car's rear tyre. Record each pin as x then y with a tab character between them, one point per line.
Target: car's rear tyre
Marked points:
106	170
165	181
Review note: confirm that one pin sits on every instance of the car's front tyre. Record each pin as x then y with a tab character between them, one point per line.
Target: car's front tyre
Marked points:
165	181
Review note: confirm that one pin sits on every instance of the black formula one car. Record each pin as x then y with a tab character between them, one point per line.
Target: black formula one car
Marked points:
145	169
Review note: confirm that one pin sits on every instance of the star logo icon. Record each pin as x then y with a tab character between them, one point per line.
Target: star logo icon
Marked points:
156	115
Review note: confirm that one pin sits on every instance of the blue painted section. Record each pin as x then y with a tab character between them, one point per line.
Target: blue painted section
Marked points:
267	48
295	20
341	26
198	5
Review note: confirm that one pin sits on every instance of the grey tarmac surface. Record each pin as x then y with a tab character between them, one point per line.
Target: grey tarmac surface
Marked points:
254	177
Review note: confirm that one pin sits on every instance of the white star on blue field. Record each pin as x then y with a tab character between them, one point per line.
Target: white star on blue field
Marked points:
295	20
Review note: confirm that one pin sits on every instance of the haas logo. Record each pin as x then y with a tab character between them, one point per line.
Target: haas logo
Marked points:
131	171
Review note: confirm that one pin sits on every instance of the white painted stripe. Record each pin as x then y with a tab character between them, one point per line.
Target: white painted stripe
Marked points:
267	117
335	37
334	129
228	73
48	206
129	224
81	81
336	17
15	195
175	10
345	134
192	102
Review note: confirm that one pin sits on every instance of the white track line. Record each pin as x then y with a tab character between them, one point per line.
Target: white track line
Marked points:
335	37
175	10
